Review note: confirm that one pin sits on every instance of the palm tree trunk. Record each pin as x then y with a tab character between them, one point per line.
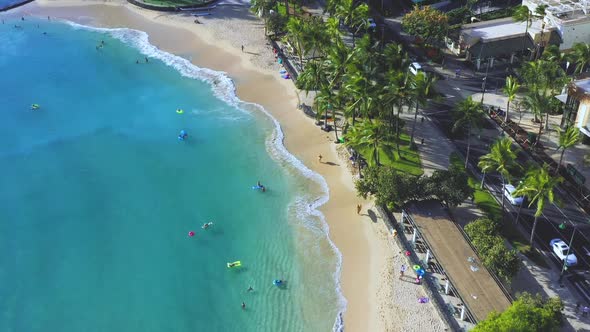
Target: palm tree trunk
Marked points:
533	231
335	127
502	198
399	107
507	109
560	159
468	145
539	133
414	126
287	7
375	153
518	214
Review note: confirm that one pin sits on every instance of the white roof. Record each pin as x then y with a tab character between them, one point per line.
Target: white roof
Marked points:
497	30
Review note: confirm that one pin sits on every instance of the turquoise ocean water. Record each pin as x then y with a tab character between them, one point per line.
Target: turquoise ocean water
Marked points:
97	195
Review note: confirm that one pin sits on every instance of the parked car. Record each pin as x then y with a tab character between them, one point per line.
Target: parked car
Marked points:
508	190
560	249
415	67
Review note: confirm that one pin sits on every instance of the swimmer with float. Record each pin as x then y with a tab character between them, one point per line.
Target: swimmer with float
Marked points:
207	225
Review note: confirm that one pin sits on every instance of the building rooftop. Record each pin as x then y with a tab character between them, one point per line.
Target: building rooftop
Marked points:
561	11
495	30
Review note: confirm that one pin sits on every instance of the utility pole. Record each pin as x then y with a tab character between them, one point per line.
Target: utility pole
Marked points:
483	84
564	267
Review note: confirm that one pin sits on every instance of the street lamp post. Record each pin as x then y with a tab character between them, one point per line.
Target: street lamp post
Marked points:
483	84
563	267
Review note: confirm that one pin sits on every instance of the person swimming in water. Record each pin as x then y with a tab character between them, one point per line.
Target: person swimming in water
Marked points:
207	224
243	305
250	289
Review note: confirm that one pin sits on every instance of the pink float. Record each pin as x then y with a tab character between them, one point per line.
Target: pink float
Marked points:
191	233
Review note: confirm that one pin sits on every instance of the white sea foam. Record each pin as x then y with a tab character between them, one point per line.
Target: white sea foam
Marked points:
224	89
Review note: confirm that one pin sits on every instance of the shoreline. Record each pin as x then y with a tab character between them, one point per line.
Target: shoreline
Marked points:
363	244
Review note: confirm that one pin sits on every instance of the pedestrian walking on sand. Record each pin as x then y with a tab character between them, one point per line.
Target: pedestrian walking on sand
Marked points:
320	158
242	48
359	207
401	271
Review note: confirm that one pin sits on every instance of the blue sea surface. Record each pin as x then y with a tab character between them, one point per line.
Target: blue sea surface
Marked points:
97	195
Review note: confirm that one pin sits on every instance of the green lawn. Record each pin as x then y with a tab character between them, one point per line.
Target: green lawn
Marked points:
175	3
407	161
486	202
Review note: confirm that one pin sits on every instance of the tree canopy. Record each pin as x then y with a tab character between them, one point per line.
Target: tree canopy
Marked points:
427	23
527	313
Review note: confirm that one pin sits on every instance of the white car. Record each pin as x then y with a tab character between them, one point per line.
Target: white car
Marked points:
508	190
560	249
415	68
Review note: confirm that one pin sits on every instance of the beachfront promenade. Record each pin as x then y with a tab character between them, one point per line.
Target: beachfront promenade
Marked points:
473	282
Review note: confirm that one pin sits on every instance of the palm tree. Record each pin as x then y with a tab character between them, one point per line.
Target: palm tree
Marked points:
313	77
523	14
501	159
296	33
468	114
540	12
510	90
352	14
581	56
367	134
538	187
396	94
567	139
262	8
421	91
537	102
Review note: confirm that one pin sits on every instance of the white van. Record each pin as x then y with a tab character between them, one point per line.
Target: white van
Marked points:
415	68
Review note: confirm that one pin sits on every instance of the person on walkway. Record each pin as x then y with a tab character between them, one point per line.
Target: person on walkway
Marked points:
402	269
359	207
320	158
585	311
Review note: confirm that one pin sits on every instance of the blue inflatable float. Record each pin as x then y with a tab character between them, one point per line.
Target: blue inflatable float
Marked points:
182	135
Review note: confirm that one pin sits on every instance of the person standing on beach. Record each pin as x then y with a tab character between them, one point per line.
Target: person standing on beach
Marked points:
242	48
401	271
320	158
359	207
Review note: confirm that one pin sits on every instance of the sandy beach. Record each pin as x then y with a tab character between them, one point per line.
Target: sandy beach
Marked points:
376	299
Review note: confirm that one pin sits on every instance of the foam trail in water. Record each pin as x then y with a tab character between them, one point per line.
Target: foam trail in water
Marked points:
224	89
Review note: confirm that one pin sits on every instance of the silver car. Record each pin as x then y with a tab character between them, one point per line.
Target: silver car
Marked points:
508	191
